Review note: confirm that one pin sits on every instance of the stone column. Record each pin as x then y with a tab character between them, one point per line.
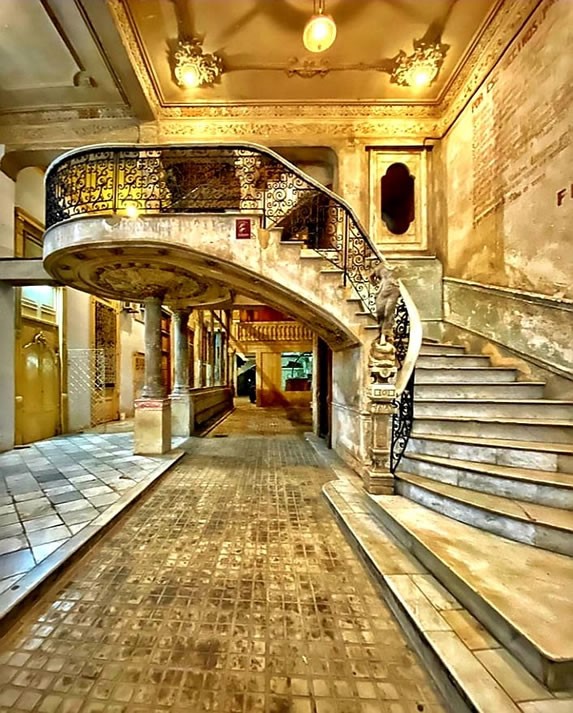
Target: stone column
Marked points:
182	417
152	431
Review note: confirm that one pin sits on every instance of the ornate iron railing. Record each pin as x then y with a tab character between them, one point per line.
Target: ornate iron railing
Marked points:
213	178
402	421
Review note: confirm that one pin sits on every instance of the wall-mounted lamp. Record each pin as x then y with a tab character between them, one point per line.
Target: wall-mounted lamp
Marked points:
194	67
420	68
320	31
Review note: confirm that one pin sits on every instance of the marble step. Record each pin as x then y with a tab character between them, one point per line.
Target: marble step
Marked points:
535	486
431	348
545	527
516	429
450	641
453	360
510	408
540	456
519	593
466	375
462	390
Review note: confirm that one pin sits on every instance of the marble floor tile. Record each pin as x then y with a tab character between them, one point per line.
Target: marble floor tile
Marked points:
15	563
36	479
51	534
13	544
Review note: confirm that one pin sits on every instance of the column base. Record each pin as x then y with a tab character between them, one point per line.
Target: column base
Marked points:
378	483
152	429
182	415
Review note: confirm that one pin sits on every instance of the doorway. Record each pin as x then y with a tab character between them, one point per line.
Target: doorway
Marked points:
324	391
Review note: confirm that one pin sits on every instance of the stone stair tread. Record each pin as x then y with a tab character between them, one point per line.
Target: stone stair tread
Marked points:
524	402
543	477
512	420
528	587
464	368
563	448
518	509
449	354
465	383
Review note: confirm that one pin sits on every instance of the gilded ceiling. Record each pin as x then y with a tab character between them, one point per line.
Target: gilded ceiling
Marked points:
264	60
105	70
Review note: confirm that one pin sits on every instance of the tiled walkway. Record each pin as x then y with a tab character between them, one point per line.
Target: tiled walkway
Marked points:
229	588
52	489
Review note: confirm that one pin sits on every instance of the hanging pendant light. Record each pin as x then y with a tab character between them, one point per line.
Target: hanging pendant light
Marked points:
320	31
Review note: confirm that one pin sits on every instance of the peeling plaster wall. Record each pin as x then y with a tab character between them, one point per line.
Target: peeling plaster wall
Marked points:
507	164
422	277
529	325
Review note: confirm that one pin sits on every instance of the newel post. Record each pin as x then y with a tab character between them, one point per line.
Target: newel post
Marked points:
382	367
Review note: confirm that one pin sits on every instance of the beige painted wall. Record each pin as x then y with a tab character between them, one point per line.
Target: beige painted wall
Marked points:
507	159
7	200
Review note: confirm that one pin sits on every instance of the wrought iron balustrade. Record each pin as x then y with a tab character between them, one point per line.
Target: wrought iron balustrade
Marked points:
213	178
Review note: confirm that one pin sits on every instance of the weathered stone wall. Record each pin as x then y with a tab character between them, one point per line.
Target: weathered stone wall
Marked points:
508	199
529	325
508	165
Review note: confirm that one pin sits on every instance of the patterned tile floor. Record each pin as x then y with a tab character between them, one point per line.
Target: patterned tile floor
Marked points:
54	488
228	588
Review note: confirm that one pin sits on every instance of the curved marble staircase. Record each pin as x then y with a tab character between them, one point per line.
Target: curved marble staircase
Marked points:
474	552
489	450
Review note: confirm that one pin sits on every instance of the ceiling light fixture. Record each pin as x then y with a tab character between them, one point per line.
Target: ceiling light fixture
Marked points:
194	67
320	31
420	68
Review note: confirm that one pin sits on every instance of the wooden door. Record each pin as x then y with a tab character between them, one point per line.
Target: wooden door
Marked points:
38	413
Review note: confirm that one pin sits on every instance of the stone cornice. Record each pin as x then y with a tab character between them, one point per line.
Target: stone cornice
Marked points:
493	42
134	51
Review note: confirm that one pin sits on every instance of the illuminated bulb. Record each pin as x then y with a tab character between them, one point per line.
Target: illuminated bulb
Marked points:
131	211
190	77
421	75
319	33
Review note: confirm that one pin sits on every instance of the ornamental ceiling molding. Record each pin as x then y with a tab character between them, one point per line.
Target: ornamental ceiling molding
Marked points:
68	134
285	111
116	113
292	131
494	41
136	54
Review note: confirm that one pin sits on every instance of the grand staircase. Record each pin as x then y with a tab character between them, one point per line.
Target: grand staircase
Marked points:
474	552
489	450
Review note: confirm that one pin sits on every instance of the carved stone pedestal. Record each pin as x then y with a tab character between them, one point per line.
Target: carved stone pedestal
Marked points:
378	477
152	428
182	416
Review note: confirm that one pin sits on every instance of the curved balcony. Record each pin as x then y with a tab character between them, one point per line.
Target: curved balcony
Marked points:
129	222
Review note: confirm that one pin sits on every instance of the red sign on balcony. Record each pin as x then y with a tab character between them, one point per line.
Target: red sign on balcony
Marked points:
243	228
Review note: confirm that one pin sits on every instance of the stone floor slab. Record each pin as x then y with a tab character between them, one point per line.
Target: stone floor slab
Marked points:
228	588
49	484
